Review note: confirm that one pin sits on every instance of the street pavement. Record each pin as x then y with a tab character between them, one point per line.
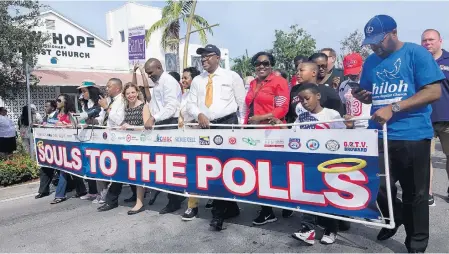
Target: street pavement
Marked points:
30	225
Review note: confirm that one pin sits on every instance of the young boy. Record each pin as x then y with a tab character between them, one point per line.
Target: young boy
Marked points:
352	64
310	110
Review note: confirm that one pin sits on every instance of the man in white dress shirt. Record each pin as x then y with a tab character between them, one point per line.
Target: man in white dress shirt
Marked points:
113	115
163	109
214	97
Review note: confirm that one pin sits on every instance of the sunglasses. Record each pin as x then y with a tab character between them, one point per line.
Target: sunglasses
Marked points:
264	63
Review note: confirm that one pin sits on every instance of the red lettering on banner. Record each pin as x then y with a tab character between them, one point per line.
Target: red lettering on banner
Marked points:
158	167
67	164
266	189
207	168
93	154
350	183
41	153
175	165
57	152
112	169
49	154
132	158
77	163
297	186
249	182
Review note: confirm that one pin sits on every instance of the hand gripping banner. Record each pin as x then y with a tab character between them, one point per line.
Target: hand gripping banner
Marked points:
329	172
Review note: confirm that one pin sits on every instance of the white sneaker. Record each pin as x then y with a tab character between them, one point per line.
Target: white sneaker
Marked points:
88	197
306	235
328	238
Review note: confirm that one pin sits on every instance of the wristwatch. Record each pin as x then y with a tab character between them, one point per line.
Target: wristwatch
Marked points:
395	107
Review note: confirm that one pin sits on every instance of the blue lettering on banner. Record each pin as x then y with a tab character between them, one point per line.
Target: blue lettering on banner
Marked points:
160	138
186	139
289	178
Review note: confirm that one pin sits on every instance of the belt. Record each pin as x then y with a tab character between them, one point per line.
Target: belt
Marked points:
224	118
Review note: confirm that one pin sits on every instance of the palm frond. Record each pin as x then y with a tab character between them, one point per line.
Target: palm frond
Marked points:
162	23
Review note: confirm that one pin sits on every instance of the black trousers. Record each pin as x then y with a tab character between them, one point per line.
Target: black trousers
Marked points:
114	192
224	208
45	177
410	165
92	184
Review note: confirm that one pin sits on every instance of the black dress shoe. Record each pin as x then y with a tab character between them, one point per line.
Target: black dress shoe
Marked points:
153	197
169	209
106	207
131	199
41	195
131	212
386	233
217	224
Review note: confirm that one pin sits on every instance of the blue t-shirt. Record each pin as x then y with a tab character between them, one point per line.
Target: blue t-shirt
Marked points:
440	112
398	77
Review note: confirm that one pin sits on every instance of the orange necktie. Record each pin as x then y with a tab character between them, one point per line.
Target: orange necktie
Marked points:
209	91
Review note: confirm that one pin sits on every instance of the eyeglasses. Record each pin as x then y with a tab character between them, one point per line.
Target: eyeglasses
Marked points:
264	63
59	100
206	57
322	66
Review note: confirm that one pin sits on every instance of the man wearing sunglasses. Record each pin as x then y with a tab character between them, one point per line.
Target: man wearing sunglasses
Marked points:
401	80
214	97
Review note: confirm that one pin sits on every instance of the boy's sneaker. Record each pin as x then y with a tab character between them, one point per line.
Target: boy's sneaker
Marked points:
98	200
264	218
306	235
190	214
328	237
431	200
210	204
88	197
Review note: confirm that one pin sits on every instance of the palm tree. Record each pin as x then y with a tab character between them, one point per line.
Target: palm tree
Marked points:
174	14
243	65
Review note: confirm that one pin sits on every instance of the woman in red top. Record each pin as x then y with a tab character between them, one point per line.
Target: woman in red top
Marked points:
268	94
268	97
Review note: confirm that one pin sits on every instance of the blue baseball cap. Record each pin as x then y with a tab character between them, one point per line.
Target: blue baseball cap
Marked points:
377	28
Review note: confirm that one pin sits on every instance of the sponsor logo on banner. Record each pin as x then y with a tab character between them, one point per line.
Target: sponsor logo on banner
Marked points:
251	141
232	140
61	135
312	144
356	146
128	138
113	137
163	139
204	140
218	140
105	135
294	143
274	143
332	145
185	139
143	137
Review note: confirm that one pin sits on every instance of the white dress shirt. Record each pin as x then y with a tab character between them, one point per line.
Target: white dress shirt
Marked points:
165	98
7	128
228	94
116	113
185	115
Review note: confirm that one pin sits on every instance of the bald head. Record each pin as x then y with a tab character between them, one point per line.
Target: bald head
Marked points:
307	72
153	68
431	40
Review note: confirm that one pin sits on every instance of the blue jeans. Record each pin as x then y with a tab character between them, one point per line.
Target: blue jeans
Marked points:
62	185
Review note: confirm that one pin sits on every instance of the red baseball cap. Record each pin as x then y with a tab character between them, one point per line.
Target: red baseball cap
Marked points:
352	64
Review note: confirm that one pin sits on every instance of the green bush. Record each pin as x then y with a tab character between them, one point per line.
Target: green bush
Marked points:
17	169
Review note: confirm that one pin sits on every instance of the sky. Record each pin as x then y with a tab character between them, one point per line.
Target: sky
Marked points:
250	25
